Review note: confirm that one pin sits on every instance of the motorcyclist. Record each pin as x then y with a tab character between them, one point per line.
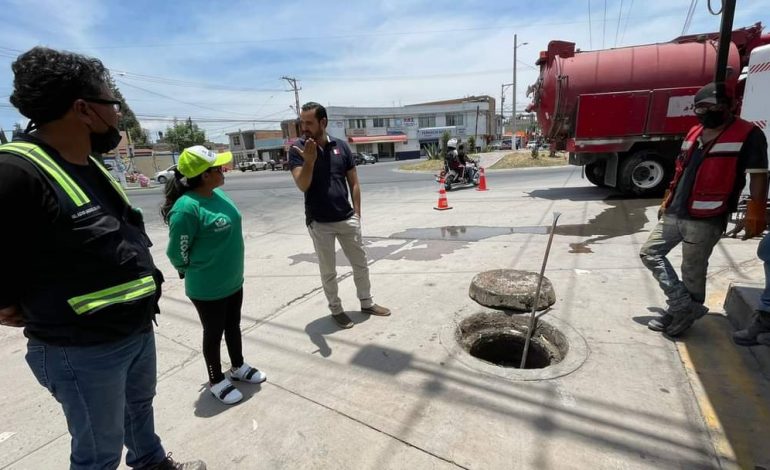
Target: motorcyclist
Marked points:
467	170
453	159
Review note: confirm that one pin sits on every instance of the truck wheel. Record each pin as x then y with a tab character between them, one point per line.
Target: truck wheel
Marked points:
595	173
645	174
253	168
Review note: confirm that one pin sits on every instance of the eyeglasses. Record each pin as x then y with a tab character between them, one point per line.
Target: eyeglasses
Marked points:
707	108
117	105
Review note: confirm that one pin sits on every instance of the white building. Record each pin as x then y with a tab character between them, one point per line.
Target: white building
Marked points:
402	132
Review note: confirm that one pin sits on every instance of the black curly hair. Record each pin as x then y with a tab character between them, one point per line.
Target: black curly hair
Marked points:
46	82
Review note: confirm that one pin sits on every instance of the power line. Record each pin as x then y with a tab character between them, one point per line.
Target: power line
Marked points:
180	101
604	23
628	15
185	83
590	31
688	18
620	16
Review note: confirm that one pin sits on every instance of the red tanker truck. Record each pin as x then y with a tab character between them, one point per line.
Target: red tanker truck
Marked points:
622	113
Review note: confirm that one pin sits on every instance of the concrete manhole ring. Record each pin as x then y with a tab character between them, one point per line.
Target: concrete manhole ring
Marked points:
491	342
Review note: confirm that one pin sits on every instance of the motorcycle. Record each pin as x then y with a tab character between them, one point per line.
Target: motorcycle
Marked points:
468	176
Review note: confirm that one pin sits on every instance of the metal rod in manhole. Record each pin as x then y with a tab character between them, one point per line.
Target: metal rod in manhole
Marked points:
531	327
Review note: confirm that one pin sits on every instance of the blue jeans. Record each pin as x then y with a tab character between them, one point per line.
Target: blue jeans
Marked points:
106	393
698	238
763	252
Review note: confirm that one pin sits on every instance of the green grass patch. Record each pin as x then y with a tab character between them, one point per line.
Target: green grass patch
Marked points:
523	159
425	165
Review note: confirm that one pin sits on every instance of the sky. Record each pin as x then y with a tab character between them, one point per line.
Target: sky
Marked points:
221	63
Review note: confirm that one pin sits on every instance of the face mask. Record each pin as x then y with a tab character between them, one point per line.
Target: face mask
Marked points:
712	119
106	141
103	142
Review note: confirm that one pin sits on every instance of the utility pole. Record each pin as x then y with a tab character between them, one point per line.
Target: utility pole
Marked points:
513	117
502	110
293	83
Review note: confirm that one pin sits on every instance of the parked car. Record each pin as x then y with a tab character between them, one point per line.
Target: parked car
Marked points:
363	158
253	165
164	175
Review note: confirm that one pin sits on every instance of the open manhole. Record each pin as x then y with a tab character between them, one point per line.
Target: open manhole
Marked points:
499	339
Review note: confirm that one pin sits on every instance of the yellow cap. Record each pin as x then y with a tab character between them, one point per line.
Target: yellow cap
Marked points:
195	160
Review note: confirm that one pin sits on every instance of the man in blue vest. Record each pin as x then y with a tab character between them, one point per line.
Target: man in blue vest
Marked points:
710	175
77	272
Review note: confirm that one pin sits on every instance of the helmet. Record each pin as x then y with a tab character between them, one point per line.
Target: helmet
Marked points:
451	143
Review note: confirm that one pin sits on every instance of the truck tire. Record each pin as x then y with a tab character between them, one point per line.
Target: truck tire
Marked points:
595	173
253	168
644	173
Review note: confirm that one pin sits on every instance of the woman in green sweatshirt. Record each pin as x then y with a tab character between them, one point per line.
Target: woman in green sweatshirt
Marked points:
206	247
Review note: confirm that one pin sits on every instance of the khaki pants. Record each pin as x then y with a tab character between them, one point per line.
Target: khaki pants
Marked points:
348	232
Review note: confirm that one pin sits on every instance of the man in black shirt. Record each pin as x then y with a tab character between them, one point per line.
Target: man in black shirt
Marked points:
323	169
77	272
711	173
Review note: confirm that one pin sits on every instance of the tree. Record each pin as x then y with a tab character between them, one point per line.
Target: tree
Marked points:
444	141
184	134
472	144
128	121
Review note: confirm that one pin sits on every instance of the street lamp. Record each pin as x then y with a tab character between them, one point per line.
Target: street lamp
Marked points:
513	116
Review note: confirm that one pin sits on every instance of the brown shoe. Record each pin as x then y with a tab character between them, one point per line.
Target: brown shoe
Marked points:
342	320
376	310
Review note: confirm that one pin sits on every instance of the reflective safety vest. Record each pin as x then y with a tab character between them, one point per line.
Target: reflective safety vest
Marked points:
716	176
106	262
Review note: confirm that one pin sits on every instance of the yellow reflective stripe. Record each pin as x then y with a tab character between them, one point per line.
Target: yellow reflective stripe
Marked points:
112	181
46	163
126	292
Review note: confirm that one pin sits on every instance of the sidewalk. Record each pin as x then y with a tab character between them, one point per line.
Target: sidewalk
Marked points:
393	392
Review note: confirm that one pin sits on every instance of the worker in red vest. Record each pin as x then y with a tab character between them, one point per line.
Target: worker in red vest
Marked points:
710	175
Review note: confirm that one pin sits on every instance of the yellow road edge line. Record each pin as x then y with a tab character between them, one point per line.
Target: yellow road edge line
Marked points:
716	431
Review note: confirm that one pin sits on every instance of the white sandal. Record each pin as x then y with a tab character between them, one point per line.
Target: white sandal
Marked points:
249	374
226	392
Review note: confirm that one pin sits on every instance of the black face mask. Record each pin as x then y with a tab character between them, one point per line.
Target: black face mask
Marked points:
712	119
103	142
106	141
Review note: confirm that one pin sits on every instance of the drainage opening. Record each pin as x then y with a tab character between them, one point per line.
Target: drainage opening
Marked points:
505	350
497	338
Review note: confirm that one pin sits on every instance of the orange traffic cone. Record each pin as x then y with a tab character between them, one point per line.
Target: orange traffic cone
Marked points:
443	204
482	180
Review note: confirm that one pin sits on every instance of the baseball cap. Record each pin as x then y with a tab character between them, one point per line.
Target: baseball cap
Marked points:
195	160
708	94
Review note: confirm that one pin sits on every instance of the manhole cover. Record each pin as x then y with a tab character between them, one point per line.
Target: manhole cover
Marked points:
500	338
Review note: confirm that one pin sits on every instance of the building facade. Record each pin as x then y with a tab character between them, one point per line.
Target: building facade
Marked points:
255	145
403	132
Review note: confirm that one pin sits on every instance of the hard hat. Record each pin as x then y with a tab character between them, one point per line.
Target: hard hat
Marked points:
451	143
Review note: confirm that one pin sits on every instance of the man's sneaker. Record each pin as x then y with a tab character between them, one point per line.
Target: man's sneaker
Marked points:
758	332
376	310
660	323
169	464
226	392
342	320
249	374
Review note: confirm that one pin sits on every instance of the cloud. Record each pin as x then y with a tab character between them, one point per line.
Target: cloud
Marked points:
343	53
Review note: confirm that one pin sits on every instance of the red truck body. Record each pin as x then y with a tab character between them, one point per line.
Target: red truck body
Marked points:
624	112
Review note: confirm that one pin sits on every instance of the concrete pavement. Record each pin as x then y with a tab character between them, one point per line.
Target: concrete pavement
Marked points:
392	392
